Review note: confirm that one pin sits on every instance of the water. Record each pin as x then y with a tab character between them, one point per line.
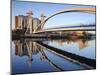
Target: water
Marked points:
80	47
30	57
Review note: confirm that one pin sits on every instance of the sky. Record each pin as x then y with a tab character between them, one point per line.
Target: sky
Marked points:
61	20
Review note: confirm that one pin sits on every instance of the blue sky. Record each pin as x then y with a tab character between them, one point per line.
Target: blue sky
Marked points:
66	19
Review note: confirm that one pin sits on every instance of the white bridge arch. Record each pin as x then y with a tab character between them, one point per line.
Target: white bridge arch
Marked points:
84	10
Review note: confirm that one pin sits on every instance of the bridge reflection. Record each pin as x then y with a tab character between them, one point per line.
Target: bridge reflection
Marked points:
29	48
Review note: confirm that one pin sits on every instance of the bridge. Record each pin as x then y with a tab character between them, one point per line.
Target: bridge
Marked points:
84	10
70	28
31	29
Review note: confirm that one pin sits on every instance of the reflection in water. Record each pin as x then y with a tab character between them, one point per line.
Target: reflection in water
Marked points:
29	48
87	46
26	52
82	43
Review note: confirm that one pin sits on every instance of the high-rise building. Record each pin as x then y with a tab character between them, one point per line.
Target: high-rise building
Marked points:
29	23
42	19
19	20
25	22
36	22
16	22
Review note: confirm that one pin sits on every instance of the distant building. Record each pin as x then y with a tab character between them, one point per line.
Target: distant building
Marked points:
25	23
28	22
42	19
36	22
20	22
16	22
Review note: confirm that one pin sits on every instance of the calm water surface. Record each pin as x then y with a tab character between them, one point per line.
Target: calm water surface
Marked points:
29	56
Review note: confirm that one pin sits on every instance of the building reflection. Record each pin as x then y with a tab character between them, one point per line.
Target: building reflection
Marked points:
29	48
82	43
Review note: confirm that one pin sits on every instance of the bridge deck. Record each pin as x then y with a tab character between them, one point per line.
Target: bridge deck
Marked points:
87	28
